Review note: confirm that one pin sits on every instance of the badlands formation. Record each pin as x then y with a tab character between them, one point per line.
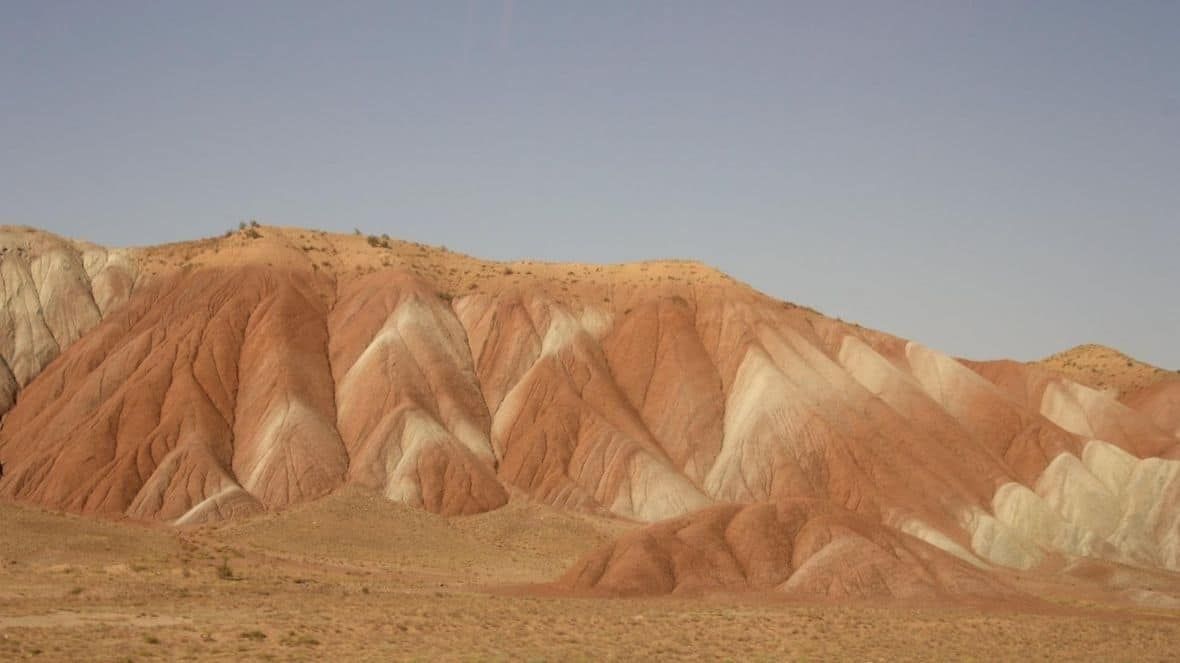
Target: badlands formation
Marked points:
759	445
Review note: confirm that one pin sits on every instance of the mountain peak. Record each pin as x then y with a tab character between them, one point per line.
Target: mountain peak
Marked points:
1104	368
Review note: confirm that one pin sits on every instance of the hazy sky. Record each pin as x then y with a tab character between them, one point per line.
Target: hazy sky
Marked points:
990	178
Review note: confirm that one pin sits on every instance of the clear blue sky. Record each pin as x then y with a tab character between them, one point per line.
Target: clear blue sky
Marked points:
992	178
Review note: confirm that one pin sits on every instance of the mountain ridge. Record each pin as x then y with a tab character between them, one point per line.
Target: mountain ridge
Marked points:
194	382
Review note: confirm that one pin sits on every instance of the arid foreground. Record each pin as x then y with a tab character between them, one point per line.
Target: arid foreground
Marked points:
357	577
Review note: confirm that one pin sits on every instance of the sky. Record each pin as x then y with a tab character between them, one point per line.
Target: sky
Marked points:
992	179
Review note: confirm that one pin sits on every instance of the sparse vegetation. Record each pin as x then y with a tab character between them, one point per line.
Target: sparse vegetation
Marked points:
293	639
224	571
331	617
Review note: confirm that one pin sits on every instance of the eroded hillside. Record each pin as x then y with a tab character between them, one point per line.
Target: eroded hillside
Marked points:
193	382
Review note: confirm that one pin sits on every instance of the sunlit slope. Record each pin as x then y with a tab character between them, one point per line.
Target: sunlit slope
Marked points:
1106	369
272	366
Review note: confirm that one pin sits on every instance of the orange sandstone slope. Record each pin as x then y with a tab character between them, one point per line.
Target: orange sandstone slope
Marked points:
201	380
1160	403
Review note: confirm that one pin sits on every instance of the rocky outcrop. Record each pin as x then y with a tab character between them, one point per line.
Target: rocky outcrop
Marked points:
52	291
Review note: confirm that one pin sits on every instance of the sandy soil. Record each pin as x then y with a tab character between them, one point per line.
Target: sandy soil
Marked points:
354	577
453	274
1106	369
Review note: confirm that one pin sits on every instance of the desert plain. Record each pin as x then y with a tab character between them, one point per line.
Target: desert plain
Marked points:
354	577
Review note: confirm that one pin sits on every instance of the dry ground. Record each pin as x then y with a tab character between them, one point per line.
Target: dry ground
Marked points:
451	273
1106	369
353	577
